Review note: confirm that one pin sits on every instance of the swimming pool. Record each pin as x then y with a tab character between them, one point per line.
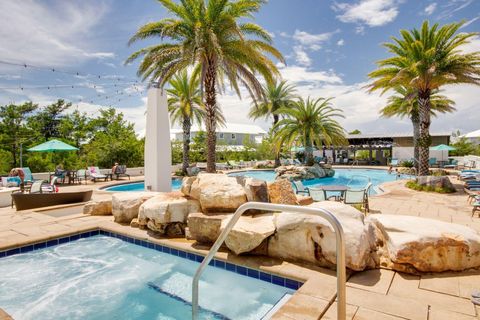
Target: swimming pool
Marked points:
354	178
139	186
102	277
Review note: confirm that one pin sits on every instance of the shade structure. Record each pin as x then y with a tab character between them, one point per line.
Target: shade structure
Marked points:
442	147
52	146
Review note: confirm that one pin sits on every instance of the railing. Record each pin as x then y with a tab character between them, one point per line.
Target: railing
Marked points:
340	243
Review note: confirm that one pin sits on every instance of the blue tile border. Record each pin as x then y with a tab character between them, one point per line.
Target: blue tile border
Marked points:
242	270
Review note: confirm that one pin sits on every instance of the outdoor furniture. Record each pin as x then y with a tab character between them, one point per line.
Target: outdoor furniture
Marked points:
432	162
80	175
338	189
358	196
95	174
121	170
201	165
317	194
5	196
28	177
300	188
297	162
394	162
452	164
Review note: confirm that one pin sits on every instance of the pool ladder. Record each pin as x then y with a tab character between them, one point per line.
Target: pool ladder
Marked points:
327	215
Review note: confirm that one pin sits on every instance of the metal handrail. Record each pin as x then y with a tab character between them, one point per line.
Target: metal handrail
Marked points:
340	247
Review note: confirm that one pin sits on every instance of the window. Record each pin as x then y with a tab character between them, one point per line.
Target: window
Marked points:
220	136
234	136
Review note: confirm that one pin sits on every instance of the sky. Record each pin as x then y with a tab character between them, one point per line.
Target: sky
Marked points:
76	49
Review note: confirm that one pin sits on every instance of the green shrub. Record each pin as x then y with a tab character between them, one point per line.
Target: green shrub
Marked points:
415	186
407	164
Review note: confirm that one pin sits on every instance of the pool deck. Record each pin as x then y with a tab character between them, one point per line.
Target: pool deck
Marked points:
372	294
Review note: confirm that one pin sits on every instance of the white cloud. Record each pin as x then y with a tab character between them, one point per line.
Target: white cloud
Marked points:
373	13
301	56
472	46
309	39
298	74
340	42
469	22
53	34
430	8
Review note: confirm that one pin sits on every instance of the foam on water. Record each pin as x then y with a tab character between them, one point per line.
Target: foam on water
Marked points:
105	278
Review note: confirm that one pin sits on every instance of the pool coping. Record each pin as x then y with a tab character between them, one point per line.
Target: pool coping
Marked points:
215	262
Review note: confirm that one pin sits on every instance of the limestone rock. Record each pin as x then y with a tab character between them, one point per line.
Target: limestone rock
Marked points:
134	223
98	207
409	244
125	205
436	182
249	232
281	191
165	209
255	189
217	192
304	200
304	172
309	238
205	228
187	185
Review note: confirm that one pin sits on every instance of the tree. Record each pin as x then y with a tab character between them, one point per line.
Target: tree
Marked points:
13	127
215	35
185	107
425	60
356	131
277	96
464	147
405	104
309	122
76	127
47	122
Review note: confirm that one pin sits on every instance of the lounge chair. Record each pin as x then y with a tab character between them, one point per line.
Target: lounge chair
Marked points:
95	174
317	194
358	196
28	177
233	164
432	162
120	171
80	175
300	188
452	164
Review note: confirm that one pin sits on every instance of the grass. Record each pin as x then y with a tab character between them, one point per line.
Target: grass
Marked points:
415	186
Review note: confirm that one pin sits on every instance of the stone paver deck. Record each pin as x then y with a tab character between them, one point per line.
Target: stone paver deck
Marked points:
373	294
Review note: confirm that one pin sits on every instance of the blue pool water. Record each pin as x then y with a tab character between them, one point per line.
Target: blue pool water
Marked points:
102	277
354	178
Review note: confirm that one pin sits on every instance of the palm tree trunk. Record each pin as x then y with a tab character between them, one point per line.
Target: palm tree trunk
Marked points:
416	134
424	139
277	154
309	151
186	144
211	110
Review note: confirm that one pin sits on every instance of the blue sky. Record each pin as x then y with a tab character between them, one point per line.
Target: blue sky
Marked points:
330	46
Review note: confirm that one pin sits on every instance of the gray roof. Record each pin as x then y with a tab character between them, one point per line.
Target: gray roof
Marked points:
392	135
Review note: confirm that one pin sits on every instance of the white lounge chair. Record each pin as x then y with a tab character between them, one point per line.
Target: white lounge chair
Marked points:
300	187
317	194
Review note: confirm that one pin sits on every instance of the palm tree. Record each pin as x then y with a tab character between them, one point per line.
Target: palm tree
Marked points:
405	104
185	107
277	95
215	35
426	60
309	122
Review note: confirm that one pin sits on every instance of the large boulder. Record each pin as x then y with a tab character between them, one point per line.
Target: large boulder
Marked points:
217	192
281	191
436	182
409	244
255	190
304	172
310	238
249	232
125	205
101	207
187	185
165	209
205	228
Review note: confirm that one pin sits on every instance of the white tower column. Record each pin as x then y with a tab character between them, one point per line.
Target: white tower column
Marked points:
158	155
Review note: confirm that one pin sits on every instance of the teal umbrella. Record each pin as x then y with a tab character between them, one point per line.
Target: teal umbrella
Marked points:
52	146
442	147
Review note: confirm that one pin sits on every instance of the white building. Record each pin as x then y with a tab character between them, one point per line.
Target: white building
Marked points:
231	134
473	137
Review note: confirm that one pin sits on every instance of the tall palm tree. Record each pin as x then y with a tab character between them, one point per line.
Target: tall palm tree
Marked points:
309	122
185	107
276	96
405	104
216	35
426	60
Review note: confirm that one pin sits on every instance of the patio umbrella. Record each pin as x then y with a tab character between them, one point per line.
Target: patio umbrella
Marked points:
52	146
443	147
